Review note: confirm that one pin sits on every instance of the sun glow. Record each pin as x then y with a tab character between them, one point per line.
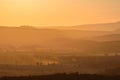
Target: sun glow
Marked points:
26	4
58	12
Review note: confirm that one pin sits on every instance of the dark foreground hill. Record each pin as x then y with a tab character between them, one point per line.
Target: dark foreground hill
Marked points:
73	76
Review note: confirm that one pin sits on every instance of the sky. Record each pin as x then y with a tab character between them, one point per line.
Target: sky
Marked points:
58	12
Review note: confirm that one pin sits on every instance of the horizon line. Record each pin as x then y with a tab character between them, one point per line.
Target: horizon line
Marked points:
41	26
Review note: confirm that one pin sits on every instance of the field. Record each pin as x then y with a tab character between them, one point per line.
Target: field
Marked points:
65	64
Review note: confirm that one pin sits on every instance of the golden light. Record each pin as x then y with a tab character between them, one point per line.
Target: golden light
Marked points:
26	4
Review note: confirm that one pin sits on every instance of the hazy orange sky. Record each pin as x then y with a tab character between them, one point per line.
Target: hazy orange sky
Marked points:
58	12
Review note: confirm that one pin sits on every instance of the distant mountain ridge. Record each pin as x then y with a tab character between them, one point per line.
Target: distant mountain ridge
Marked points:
115	26
59	39
29	35
102	26
96	27
26	43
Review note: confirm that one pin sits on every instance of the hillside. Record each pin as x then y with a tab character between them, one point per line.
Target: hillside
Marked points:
33	36
110	37
24	44
99	27
56	40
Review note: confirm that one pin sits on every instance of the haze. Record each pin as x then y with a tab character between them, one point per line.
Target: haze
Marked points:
79	38
58	12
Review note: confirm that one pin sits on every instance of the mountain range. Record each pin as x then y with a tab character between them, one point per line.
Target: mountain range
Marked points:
82	40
